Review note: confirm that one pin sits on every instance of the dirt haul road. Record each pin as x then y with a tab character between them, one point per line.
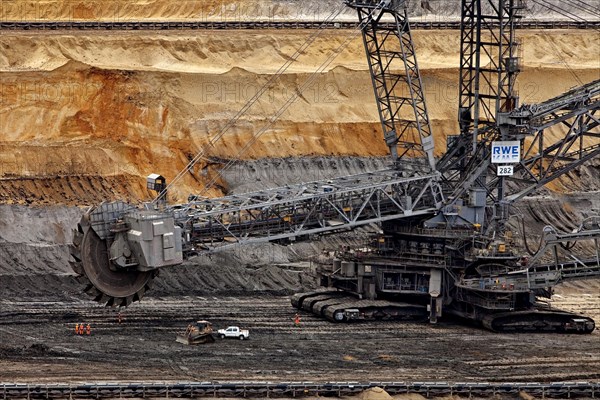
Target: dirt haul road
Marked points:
39	345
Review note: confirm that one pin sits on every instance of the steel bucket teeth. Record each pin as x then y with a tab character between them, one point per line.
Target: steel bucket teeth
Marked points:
92	291
78	235
128	300
75	250
75	254
138	296
76	267
104	299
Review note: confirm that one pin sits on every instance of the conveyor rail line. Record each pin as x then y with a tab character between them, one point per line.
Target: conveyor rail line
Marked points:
290	389
206	25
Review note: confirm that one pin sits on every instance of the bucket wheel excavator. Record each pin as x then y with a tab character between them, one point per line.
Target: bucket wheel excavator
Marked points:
109	280
444	246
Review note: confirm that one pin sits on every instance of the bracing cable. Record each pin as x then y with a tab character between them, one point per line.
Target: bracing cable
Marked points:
211	142
557	9
582	6
292	98
569	15
561	11
564	61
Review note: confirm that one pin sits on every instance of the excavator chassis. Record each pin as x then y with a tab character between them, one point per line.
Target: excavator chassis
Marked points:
417	280
336	306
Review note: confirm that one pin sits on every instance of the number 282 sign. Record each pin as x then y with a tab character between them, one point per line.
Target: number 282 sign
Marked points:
505	170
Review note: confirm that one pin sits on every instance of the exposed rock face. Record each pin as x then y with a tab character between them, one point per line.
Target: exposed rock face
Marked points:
85	117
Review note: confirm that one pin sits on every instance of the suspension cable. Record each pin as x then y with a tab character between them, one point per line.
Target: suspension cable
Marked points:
561	11
557	9
563	60
554	47
292	99
280	112
211	142
582	6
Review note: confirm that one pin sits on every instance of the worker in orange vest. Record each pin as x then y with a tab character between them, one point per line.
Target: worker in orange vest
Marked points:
77	329
89	329
297	320
81	329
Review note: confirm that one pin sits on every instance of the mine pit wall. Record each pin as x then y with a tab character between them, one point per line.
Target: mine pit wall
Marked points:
224	10
85	117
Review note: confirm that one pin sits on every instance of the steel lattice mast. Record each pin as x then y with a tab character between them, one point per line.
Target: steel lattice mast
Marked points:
396	80
489	63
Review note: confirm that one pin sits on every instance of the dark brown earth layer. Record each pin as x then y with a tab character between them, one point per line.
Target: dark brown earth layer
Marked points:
39	345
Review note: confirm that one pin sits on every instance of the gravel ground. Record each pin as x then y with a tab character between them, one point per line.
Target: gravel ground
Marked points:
40	303
39	345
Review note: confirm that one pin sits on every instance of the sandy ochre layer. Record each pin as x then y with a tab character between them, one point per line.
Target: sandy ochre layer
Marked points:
95	113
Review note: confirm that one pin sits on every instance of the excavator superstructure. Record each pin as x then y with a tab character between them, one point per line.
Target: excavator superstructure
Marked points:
444	247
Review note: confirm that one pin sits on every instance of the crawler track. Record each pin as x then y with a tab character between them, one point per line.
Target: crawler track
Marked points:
539	321
222	25
334	306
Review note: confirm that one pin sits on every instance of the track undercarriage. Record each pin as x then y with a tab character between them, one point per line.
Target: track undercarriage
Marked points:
407	276
337	306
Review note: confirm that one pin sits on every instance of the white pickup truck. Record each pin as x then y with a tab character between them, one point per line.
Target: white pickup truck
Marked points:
234	332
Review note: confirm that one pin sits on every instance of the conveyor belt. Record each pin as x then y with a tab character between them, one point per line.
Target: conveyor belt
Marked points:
204	25
291	389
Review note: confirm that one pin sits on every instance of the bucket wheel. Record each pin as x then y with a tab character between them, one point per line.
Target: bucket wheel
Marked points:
106	284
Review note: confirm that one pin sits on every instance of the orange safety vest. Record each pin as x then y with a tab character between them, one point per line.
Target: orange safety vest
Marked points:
76	329
89	330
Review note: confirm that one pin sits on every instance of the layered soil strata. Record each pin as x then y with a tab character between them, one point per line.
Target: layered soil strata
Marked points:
85	116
